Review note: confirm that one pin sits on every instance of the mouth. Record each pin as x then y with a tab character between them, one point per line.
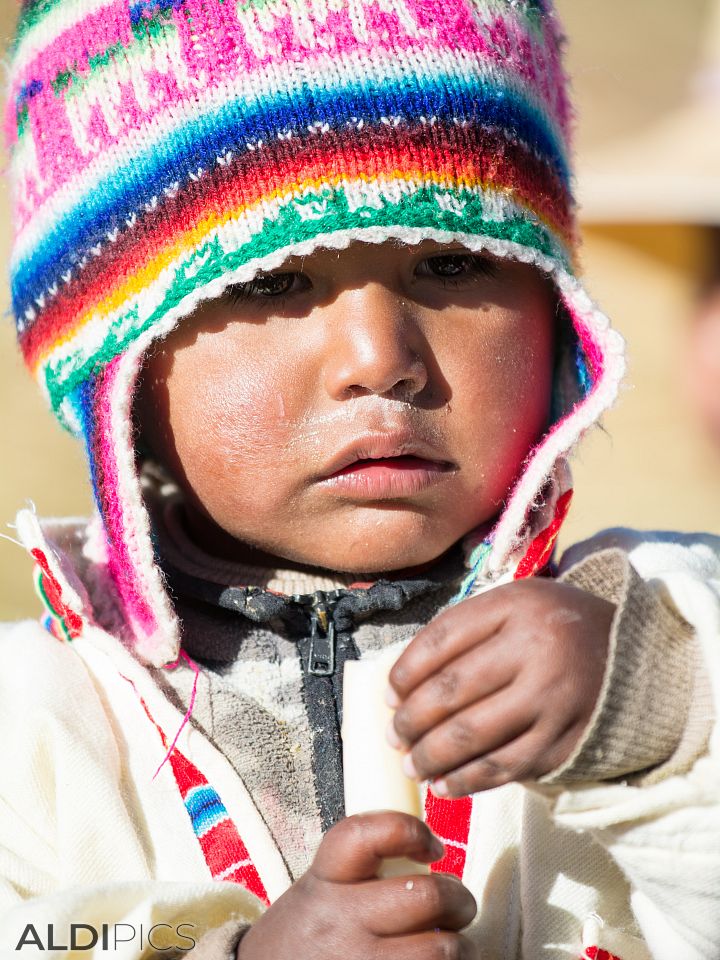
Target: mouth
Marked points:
385	467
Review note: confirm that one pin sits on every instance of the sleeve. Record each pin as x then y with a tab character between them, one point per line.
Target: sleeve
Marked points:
662	824
76	865
653	714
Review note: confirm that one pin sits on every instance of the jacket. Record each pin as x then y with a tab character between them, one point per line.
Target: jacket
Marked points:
110	822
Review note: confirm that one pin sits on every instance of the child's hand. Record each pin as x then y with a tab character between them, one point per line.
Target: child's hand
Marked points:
501	686
340	909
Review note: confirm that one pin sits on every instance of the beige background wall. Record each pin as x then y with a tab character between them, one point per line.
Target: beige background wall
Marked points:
651	467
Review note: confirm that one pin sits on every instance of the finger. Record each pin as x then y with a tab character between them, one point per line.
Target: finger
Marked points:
528	757
434	945
471	733
448	636
355	847
406	905
475	675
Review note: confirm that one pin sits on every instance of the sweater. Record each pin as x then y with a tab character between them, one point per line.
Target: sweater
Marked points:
616	851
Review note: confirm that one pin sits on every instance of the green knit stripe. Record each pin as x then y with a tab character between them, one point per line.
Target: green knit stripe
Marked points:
311	217
32	13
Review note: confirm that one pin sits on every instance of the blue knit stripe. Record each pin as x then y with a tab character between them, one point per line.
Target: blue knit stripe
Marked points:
139	7
476	562
198	143
205	807
83	403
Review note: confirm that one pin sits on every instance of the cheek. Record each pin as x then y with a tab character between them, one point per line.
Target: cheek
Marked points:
524	381
233	433
506	380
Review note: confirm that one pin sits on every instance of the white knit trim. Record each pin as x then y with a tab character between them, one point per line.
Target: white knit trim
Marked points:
32	537
595	933
563	438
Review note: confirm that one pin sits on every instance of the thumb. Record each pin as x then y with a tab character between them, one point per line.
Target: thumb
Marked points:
354	848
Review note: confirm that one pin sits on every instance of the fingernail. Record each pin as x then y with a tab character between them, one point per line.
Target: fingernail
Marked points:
439	788
409	767
392	699
391	736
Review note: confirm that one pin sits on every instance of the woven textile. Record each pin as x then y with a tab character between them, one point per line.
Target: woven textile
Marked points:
163	149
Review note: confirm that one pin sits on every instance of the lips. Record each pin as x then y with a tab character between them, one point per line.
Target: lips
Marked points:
395	451
390	463
386	466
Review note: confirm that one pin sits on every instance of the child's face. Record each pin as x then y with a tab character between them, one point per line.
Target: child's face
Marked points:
359	411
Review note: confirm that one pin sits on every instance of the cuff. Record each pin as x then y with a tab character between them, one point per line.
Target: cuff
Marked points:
221	943
642	724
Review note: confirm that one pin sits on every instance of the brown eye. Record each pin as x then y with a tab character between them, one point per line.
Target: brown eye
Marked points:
457	266
272	284
266	286
453	266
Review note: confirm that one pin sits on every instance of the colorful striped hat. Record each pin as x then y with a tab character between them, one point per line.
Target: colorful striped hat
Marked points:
164	149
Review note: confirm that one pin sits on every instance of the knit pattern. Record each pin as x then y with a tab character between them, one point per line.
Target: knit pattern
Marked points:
197	138
164	149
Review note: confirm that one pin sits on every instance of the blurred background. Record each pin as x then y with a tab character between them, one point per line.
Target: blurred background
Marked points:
647	86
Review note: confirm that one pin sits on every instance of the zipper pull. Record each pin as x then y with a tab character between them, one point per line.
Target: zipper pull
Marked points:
322	639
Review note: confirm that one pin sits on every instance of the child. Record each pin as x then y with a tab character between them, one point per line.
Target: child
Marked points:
300	274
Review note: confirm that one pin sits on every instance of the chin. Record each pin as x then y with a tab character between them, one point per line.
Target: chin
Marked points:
388	547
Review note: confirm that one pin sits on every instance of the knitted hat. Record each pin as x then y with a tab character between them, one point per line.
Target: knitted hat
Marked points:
164	149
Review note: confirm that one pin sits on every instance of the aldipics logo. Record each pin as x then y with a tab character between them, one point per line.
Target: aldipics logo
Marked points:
84	936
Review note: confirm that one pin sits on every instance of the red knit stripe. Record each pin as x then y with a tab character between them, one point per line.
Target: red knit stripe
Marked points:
187	774
451	154
53	591
594	953
249	878
541	549
453	861
222	847
450	820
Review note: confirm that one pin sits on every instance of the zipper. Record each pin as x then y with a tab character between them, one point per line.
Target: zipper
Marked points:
321	658
323	653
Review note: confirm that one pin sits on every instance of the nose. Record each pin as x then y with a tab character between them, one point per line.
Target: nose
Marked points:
374	346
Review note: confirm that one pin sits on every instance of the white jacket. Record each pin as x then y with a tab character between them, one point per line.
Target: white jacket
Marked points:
88	834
